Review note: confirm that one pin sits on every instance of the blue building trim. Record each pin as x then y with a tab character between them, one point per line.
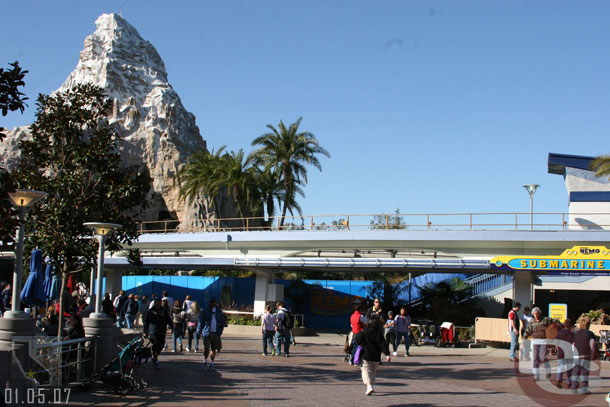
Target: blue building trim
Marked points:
558	163
590	196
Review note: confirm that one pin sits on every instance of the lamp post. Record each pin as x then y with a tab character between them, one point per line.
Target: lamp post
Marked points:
22	199
102	230
531	189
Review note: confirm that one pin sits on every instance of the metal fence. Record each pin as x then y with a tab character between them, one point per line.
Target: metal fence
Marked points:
58	363
410	221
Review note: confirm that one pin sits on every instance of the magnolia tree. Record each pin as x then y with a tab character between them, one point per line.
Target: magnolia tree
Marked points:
72	155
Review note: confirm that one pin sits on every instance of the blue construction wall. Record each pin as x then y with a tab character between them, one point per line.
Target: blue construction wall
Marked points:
228	290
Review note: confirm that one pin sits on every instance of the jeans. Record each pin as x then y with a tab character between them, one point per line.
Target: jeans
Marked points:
120	321
282	335
564	366
580	373
539	357
527	347
177	335
130	319
268	339
399	336
514	344
390	338
193	334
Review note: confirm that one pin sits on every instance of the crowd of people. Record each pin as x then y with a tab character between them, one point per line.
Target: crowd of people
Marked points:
574	347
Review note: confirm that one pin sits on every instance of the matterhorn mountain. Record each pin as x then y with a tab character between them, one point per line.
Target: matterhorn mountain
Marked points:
156	129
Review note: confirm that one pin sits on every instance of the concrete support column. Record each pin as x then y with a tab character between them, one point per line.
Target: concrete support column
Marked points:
114	282
102	329
265	291
523	287
10	326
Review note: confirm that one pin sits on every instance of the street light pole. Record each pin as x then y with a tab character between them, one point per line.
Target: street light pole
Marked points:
531	189
22	199
102	230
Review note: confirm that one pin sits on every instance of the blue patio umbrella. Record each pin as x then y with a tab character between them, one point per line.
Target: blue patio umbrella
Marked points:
51	283
33	289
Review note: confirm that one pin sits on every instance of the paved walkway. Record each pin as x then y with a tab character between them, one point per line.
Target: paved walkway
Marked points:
315	375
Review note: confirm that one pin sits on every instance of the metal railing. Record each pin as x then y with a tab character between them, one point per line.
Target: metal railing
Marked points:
483	283
409	221
58	363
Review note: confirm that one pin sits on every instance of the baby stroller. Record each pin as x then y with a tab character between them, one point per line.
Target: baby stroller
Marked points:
604	338
121	371
428	332
446	336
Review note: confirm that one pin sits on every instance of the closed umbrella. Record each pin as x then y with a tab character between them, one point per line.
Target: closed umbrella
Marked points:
48	285
33	289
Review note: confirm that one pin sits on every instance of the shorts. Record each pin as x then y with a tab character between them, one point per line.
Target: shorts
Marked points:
212	341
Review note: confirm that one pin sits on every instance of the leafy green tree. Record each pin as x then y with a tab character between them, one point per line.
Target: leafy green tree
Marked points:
449	301
601	165
388	221
288	151
11	98
73	156
238	176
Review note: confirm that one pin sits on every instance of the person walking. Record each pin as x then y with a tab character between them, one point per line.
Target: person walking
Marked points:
375	309
526	343
144	307
537	330
210	326
403	330
268	330
564	340
584	352
373	344
282	331
155	327
188	301
514	331
130	310
178	316
192	317
118	303
390	331
170	300
357	321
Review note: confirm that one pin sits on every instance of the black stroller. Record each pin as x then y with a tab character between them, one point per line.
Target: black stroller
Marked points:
121	371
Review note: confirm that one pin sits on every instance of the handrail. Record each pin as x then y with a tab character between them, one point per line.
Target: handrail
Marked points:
400	221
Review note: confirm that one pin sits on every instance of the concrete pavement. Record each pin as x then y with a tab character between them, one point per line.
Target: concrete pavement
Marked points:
315	375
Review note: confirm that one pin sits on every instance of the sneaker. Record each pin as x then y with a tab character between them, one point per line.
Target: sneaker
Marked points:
407	355
394	353
264	354
196	350
285	354
211	366
369	390
188	349
273	352
173	350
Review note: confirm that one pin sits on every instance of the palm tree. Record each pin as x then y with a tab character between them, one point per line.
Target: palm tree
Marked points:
201	175
287	151
237	175
601	165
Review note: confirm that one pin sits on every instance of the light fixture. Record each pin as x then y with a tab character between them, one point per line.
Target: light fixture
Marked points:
101	231
531	189
22	199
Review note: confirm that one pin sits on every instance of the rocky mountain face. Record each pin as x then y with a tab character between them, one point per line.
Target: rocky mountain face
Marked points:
156	129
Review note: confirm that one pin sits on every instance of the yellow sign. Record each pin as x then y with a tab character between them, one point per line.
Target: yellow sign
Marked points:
593	260
558	311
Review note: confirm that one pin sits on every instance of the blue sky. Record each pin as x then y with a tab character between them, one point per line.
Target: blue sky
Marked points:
429	106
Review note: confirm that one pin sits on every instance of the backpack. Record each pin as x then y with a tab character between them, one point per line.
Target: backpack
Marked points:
288	321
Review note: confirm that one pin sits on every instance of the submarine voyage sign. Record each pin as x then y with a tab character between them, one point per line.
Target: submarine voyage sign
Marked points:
577	261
